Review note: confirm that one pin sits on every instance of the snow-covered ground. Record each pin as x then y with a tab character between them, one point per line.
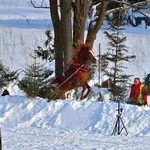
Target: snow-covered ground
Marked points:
28	124
22	29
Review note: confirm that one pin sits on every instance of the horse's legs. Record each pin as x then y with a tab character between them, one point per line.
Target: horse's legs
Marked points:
86	86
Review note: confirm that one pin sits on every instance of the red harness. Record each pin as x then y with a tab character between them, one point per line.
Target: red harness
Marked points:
77	66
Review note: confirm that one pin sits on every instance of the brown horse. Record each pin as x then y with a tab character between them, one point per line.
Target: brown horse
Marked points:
77	73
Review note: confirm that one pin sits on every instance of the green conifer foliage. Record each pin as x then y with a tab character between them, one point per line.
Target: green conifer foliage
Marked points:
6	75
114	61
37	81
48	52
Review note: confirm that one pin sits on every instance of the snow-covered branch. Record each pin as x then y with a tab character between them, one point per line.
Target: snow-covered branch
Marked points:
127	7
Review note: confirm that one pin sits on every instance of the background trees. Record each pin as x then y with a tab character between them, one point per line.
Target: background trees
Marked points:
6	76
36	80
114	60
69	19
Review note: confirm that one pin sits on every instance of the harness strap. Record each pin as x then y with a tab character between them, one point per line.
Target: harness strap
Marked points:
84	69
77	66
70	76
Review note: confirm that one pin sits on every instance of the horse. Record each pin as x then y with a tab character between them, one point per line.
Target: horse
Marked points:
77	73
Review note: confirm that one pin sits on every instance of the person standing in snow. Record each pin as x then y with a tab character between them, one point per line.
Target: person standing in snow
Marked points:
138	93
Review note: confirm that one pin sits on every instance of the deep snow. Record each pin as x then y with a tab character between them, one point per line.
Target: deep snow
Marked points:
34	124
28	124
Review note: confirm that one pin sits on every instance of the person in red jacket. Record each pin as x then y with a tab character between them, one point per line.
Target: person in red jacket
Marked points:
138	93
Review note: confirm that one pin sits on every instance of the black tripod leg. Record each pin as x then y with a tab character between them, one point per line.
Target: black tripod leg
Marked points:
116	126
123	126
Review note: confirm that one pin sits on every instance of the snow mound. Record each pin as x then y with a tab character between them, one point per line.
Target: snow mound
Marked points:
19	112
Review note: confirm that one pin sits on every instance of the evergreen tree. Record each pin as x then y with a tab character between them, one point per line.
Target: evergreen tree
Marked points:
36	81
115	58
48	52
6	75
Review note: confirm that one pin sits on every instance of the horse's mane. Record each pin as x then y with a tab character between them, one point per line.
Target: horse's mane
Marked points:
80	46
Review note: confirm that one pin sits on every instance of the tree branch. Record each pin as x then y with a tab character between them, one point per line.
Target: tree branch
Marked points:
41	6
135	5
92	31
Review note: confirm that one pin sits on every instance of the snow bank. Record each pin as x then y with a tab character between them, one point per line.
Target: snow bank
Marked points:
19	112
34	124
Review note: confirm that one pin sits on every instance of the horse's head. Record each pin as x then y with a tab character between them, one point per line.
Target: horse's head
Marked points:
86	55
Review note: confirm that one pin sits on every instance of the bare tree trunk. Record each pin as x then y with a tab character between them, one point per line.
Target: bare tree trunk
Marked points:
80	8
58	54
62	34
65	6
57	37
91	36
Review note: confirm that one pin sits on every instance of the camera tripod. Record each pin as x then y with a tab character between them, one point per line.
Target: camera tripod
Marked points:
119	126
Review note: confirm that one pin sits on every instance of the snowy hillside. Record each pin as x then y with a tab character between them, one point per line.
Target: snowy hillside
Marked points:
22	30
73	125
34	124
